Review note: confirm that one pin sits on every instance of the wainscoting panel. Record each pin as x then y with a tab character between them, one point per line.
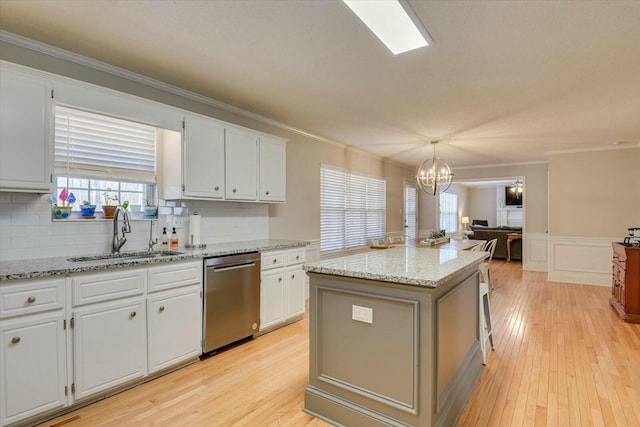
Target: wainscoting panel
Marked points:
535	252
582	260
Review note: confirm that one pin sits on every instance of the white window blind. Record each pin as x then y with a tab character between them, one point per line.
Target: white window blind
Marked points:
88	144
449	212
352	209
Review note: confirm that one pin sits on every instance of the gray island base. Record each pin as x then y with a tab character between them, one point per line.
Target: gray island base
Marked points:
394	337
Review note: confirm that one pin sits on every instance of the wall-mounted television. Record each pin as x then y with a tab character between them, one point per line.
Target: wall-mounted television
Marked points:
513	195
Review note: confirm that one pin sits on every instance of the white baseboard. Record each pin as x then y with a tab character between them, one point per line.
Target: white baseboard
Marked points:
582	260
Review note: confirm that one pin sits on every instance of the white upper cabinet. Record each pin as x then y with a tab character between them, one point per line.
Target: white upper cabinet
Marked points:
241	164
273	169
203	161
193	162
25	117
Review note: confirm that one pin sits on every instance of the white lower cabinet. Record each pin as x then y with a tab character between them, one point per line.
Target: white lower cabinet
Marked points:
271	299
175	327
109	345
65	340
33	356
33	362
281	287
294	292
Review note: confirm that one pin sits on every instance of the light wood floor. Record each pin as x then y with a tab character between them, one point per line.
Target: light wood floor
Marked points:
563	358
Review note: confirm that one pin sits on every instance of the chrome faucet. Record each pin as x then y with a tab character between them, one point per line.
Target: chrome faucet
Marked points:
152	242
118	242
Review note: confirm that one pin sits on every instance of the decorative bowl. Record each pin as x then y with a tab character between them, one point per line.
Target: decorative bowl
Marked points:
61	212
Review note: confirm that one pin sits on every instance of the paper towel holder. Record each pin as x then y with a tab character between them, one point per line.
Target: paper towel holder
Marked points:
190	244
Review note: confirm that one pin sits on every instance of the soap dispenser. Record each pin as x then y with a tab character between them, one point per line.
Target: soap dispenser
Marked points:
173	243
164	239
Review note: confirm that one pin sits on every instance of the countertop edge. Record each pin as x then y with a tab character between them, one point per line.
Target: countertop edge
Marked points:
57	266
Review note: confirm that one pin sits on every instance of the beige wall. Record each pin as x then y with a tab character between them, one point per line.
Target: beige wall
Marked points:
594	194
482	205
535	177
299	217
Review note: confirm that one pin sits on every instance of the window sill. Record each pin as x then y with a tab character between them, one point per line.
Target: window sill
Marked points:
100	218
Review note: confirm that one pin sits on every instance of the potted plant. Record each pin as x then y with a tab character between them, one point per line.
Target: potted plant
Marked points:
110	203
63	210
150	209
87	210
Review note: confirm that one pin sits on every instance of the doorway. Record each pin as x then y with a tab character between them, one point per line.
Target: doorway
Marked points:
410	210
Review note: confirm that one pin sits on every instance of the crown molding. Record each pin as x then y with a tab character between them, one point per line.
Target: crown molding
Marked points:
501	165
94	64
620	146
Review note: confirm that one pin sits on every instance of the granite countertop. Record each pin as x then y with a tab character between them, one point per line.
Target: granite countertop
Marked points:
405	265
43	267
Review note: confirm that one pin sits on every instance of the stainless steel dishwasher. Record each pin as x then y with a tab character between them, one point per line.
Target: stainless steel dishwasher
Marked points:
231	299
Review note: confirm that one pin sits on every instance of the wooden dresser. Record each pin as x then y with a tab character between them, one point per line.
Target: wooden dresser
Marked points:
625	289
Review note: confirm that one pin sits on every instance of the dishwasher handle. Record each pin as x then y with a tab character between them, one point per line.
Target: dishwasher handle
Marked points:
227	267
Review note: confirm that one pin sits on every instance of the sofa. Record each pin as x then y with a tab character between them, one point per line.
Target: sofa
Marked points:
500	233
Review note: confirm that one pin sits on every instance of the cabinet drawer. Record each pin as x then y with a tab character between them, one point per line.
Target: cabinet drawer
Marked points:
271	260
174	275
31	296
295	256
96	287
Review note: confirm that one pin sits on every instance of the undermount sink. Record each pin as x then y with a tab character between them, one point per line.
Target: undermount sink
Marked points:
124	255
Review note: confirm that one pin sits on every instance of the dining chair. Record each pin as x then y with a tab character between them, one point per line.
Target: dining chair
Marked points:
479	247
486	330
489	246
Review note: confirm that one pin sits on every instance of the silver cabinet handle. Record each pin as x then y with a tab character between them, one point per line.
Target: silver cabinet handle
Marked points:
161	309
132	314
216	188
15	340
31	300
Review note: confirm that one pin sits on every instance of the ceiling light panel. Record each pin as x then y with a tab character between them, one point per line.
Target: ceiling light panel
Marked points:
393	22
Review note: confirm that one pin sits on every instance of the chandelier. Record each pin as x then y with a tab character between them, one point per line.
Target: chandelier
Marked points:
434	175
517	188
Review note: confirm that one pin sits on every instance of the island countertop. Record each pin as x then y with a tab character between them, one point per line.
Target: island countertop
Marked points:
405	265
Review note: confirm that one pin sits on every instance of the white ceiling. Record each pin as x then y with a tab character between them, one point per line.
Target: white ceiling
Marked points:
504	82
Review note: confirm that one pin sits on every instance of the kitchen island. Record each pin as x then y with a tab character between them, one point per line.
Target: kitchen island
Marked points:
394	337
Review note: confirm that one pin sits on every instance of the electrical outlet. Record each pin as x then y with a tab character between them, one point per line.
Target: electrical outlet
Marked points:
362	314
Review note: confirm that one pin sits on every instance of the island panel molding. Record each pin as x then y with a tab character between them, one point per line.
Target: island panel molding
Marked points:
395	323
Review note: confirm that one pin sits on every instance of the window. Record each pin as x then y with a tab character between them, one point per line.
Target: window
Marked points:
449	212
352	209
96	154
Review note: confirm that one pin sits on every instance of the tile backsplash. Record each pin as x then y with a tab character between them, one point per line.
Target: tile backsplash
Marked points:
27	230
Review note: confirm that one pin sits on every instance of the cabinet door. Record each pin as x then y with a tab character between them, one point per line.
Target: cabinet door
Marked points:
25	114
241	165
271	299
273	169
294	292
203	158
33	366
110	345
175	327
